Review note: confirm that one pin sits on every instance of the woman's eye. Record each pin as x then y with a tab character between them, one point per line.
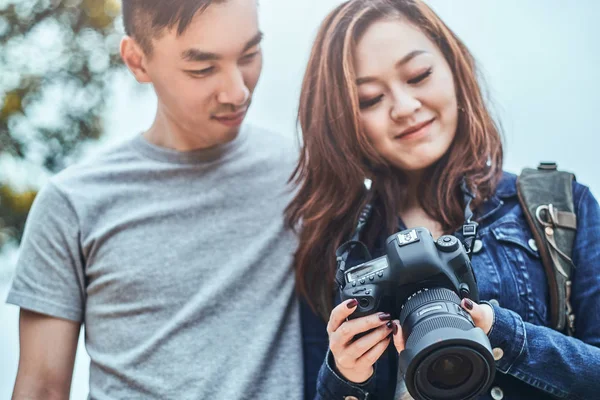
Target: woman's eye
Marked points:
369	103
421	77
201	72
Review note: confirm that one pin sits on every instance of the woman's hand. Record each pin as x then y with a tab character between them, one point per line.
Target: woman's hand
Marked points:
482	314
354	359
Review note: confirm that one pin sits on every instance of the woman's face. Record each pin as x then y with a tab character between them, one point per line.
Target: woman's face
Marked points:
406	92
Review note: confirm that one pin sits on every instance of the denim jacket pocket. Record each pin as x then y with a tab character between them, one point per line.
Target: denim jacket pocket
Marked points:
524	285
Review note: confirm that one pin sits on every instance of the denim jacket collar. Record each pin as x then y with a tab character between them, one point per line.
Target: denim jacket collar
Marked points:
506	189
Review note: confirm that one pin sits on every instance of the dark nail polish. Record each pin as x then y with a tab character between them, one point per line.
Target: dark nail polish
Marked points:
395	328
468	304
384	317
352	303
389	324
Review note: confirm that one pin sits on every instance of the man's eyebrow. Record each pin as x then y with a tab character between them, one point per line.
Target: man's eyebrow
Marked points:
253	42
196	55
400	63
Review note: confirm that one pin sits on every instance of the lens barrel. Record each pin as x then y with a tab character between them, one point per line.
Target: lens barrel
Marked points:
446	356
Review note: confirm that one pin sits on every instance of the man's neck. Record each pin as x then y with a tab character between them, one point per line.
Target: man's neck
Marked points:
168	133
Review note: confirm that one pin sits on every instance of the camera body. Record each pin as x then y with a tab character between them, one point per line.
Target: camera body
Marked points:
414	261
421	282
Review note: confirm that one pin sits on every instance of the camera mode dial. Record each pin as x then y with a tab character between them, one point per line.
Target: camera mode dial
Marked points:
447	243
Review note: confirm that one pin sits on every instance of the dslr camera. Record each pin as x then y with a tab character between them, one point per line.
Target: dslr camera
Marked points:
421	282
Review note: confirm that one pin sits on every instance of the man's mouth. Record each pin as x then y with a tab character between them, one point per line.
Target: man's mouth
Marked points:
231	119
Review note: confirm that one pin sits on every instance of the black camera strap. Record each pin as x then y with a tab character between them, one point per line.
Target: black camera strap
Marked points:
469	233
470	227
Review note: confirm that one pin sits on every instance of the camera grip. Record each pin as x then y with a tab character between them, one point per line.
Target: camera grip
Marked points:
368	297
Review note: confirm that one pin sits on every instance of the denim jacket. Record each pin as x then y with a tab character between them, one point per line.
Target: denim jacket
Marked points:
537	362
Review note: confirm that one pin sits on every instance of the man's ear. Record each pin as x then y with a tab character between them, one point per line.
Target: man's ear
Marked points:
134	57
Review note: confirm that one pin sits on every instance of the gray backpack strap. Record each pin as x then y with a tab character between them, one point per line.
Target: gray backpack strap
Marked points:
546	196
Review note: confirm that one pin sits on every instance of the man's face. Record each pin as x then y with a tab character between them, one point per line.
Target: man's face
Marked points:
204	79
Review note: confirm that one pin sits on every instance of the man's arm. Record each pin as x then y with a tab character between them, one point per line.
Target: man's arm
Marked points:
47	354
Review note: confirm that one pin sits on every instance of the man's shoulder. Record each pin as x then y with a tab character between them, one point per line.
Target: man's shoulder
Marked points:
277	140
107	161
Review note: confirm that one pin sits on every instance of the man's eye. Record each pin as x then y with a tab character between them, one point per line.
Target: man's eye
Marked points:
421	77
249	57
204	71
363	104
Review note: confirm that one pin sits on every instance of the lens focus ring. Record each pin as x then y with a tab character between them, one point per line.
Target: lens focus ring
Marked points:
423	328
426	296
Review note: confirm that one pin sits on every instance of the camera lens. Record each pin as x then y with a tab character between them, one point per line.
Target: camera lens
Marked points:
449	371
446	356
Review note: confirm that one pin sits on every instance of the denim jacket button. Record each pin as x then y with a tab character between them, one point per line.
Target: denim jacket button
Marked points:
477	246
532	244
494	302
497	393
498	353
350	398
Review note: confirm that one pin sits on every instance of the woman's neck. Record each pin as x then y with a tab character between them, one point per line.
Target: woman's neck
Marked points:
412	183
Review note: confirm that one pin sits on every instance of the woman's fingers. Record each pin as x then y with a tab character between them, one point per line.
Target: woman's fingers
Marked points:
355	355
347	331
349	356
339	314
482	314
369	358
398	337
364	344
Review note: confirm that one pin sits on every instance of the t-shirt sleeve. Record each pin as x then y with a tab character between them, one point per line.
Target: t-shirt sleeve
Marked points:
49	277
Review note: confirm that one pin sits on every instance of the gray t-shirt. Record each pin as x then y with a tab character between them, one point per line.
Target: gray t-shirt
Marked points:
179	266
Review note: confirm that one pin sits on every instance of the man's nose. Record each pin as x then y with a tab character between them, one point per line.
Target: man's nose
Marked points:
234	90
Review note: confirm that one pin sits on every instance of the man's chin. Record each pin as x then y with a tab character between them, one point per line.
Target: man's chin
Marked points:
227	134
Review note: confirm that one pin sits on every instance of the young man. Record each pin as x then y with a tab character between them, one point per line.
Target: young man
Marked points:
171	247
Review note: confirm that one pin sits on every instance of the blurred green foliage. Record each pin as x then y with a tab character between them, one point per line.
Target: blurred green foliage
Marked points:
56	59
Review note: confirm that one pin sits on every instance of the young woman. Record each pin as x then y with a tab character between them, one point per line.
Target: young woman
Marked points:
391	94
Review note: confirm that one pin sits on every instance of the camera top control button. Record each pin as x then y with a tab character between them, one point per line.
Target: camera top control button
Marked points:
350	398
447	244
498	353
371	277
362	281
497	393
380	274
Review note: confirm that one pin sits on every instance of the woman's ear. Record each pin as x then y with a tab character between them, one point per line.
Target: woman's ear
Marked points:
134	57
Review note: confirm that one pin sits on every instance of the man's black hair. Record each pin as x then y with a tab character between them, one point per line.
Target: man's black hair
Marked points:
147	19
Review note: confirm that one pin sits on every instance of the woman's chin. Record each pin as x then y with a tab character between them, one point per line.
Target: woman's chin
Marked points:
415	164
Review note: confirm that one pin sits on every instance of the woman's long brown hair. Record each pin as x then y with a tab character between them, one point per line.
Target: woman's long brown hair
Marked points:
337	155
